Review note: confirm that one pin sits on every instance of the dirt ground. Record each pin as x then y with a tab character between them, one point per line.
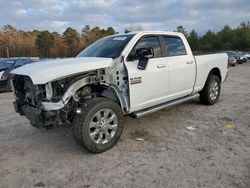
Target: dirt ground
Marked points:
166	155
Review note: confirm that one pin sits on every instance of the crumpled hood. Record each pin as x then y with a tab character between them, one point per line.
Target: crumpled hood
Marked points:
46	71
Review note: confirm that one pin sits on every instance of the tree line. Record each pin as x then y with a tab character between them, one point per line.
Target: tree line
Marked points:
225	39
18	43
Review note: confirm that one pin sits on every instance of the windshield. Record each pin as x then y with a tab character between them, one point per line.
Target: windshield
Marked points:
232	54
4	64
110	47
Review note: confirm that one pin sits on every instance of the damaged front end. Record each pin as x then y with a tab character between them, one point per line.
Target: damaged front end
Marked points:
53	103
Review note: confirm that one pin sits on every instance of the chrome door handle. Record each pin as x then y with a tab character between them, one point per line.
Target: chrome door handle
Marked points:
190	62
161	66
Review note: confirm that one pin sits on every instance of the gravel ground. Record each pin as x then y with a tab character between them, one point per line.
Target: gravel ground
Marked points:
169	155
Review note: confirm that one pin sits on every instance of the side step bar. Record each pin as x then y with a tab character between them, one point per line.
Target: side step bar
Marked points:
159	107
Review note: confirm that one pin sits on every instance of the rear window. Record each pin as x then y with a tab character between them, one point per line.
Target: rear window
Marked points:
174	46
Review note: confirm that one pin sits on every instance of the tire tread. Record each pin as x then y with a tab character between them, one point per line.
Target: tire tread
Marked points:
81	119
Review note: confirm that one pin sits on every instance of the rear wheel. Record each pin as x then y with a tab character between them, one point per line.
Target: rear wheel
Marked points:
99	125
211	91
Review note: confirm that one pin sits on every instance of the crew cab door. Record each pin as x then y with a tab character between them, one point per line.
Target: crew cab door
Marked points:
150	86
182	68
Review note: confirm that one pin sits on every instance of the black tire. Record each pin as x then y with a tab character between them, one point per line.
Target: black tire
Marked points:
81	123
205	96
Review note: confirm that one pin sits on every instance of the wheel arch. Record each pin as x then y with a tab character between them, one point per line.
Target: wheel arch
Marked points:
113	94
215	71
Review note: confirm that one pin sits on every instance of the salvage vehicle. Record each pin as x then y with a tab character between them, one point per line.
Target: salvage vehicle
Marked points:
128	74
4	83
232	61
7	65
247	55
239	57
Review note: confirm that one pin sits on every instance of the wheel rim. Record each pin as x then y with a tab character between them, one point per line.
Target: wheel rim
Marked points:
103	126
214	90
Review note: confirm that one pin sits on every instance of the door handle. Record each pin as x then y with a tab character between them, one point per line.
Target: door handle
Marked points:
161	66
190	62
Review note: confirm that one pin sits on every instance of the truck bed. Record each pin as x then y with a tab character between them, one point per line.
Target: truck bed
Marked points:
206	62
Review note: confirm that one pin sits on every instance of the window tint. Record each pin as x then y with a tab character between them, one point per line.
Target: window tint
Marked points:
174	46
147	42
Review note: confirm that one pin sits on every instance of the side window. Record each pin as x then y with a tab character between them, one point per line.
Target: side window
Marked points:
174	46
19	63
147	42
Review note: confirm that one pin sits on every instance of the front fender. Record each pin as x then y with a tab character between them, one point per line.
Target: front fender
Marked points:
48	106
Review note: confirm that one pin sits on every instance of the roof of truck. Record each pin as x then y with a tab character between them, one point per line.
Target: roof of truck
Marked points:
153	32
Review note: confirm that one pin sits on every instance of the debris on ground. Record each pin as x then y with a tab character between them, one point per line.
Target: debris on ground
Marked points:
191	128
229	126
39	184
139	139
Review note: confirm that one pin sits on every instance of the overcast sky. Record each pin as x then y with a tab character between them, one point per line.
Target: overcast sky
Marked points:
57	15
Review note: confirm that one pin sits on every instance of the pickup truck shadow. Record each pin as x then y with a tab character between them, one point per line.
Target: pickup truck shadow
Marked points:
56	140
59	139
4	91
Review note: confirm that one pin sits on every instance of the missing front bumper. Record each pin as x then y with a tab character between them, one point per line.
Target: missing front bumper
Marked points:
34	115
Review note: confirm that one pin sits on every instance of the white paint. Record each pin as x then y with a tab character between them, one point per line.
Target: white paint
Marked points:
47	71
165	79
177	79
154	85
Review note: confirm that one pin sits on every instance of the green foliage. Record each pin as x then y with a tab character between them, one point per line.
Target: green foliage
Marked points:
226	39
44	42
182	30
71	38
193	39
208	41
91	35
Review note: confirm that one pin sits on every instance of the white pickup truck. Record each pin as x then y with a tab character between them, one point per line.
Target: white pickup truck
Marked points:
127	74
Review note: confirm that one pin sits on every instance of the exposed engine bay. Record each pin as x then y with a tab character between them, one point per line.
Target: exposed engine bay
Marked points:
56	102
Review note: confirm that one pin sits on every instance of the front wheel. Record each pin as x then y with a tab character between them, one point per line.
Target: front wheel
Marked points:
98	126
211	91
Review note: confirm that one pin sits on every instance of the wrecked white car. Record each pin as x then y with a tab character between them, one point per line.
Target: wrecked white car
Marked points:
129	74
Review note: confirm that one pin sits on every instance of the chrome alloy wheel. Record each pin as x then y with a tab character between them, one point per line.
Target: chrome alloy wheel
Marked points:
103	126
214	90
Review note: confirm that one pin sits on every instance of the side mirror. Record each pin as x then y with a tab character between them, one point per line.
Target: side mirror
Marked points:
145	53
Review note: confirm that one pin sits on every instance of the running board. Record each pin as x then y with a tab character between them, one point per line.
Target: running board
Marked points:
159	107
